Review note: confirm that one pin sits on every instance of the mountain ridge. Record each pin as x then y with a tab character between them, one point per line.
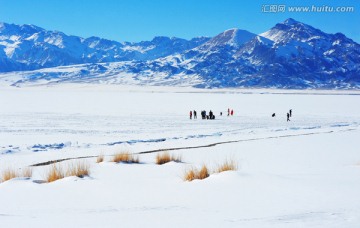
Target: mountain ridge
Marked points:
290	55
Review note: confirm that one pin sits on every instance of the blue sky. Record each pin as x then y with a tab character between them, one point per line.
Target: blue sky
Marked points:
137	20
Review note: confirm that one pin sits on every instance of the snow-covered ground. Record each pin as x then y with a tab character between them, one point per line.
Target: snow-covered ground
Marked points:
302	173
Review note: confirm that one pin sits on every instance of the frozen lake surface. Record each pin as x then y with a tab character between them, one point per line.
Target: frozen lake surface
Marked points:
301	173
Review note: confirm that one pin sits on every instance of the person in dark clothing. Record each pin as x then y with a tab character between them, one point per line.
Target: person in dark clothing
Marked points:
195	115
220	113
290	112
273	115
288	116
210	114
190	114
203	115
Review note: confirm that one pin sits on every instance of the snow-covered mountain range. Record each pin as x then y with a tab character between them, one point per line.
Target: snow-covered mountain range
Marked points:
289	55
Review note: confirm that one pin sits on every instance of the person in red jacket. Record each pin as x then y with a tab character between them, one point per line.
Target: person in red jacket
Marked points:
232	112
190	114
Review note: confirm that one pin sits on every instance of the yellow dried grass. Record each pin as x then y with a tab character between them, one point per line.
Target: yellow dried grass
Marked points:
193	173
80	169
166	157
26	172
11	173
55	173
190	175
228	165
203	173
125	157
100	158
8	174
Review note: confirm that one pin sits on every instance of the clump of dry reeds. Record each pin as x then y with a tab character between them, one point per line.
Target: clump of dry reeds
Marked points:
26	172
125	157
228	165
203	173
55	173
11	173
8	174
79	169
100	158
190	174
194	173
166	157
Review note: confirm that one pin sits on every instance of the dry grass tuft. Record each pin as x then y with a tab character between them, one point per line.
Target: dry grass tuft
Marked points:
125	157
193	174
26	172
80	169
203	173
163	158
100	158
166	157
55	173
229	165
190	174
8	174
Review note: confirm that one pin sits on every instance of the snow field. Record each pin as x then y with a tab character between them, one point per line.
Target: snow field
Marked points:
302	173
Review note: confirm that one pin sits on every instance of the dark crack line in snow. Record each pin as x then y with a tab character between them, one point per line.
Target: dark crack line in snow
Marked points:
232	141
194	147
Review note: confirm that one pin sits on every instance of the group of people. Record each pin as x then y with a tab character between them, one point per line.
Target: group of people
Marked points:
204	115
191	114
210	115
288	115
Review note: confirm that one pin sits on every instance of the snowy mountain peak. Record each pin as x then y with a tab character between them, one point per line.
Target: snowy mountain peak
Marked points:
160	38
232	38
292	30
290	21
8	30
231	31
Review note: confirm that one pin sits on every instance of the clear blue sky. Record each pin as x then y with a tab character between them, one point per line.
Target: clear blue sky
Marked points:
136	20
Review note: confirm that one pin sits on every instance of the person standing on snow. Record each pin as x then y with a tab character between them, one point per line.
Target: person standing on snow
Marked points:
190	114
288	116
195	115
290	112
